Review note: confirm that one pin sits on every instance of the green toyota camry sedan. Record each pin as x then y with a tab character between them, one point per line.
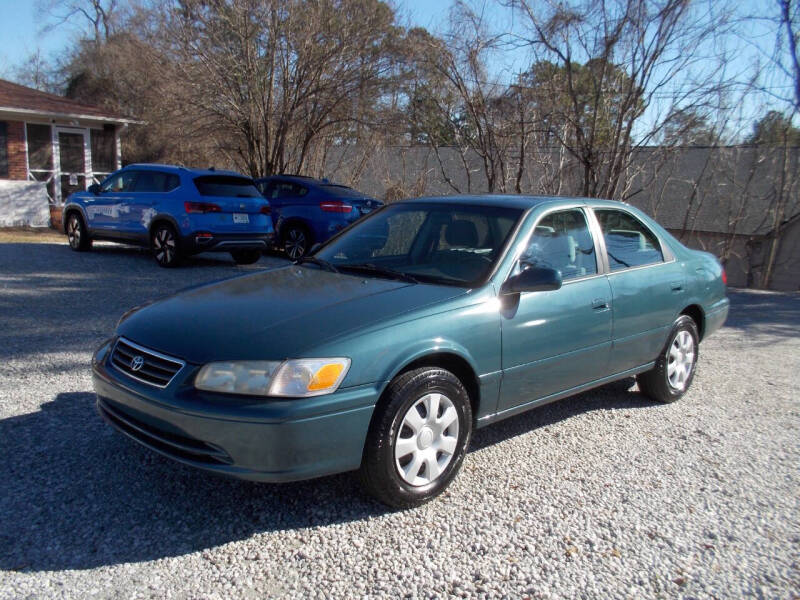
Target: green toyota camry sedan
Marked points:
384	349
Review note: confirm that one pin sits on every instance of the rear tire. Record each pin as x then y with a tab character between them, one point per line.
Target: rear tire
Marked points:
165	245
295	241
418	438
245	257
77	235
674	370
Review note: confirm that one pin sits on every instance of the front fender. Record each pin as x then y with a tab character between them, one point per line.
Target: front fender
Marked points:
72	205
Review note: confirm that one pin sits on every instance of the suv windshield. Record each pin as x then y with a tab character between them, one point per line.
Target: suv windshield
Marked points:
226	186
430	243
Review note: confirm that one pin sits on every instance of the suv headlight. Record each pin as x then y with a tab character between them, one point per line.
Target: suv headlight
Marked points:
296	378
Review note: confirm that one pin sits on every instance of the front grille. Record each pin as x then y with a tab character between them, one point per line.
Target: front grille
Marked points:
171	444
144	365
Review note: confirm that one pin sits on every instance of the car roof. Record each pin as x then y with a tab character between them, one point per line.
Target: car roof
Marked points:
299	179
513	201
180	169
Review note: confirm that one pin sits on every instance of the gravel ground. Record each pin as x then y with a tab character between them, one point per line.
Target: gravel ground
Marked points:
605	495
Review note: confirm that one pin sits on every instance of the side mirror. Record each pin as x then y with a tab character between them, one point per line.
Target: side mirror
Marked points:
94	189
533	279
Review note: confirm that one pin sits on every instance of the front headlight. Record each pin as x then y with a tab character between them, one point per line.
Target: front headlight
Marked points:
297	378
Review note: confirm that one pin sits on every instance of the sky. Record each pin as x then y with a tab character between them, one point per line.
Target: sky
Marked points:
21	35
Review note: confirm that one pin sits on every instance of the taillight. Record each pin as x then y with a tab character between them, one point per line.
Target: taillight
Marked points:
201	207
266	209
724	276
336	206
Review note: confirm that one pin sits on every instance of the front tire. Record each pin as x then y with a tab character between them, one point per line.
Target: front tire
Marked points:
77	235
245	257
418	438
165	245
674	371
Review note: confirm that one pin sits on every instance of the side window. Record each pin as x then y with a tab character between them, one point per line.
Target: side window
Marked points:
172	182
286	189
562	241
122	182
629	243
155	181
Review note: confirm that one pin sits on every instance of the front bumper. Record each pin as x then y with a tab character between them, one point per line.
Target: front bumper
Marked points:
226	242
273	440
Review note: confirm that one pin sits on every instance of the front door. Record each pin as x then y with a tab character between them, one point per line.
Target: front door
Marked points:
557	340
72	147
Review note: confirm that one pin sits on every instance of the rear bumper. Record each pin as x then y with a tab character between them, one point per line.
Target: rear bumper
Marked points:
716	316
273	441
226	242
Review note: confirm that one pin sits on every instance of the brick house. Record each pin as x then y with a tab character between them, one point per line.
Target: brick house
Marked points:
51	146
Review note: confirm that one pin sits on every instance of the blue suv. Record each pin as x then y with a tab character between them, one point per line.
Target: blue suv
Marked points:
308	211
175	211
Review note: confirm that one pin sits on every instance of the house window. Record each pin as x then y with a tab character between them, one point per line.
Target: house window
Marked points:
104	151
3	149
40	155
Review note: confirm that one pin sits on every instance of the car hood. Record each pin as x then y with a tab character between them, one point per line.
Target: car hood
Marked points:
272	315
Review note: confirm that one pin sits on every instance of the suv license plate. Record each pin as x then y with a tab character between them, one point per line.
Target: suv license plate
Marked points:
241	218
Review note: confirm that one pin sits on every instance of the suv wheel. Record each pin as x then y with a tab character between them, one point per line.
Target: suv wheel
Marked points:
165	245
418	438
295	241
77	235
245	257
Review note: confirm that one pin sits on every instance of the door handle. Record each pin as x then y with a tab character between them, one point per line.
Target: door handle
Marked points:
600	304
676	286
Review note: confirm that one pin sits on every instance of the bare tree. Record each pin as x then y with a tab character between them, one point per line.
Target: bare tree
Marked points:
601	68
268	79
100	15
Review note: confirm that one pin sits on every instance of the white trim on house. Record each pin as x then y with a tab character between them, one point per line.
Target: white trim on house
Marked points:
55	115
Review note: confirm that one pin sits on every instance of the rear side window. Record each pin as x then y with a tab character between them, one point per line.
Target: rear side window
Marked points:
562	241
156	181
285	189
629	243
226	186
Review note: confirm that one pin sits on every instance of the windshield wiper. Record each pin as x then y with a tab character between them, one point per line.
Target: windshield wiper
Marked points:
373	269
324	264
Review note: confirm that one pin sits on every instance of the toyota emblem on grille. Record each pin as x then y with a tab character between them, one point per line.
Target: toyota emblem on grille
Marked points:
137	362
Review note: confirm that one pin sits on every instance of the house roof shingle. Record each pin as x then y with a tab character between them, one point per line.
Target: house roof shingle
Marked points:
18	97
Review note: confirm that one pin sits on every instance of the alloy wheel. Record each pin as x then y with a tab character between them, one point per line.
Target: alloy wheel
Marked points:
680	360
164	246
427	439
295	243
74	232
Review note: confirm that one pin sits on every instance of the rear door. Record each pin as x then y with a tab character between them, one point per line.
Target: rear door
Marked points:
647	285
148	192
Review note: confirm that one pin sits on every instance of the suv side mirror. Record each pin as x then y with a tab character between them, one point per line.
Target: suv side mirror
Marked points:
533	279
94	189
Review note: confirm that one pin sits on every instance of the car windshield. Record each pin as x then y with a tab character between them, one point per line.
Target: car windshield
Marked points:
439	243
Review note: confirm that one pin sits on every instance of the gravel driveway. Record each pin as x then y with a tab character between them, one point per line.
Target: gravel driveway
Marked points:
605	495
